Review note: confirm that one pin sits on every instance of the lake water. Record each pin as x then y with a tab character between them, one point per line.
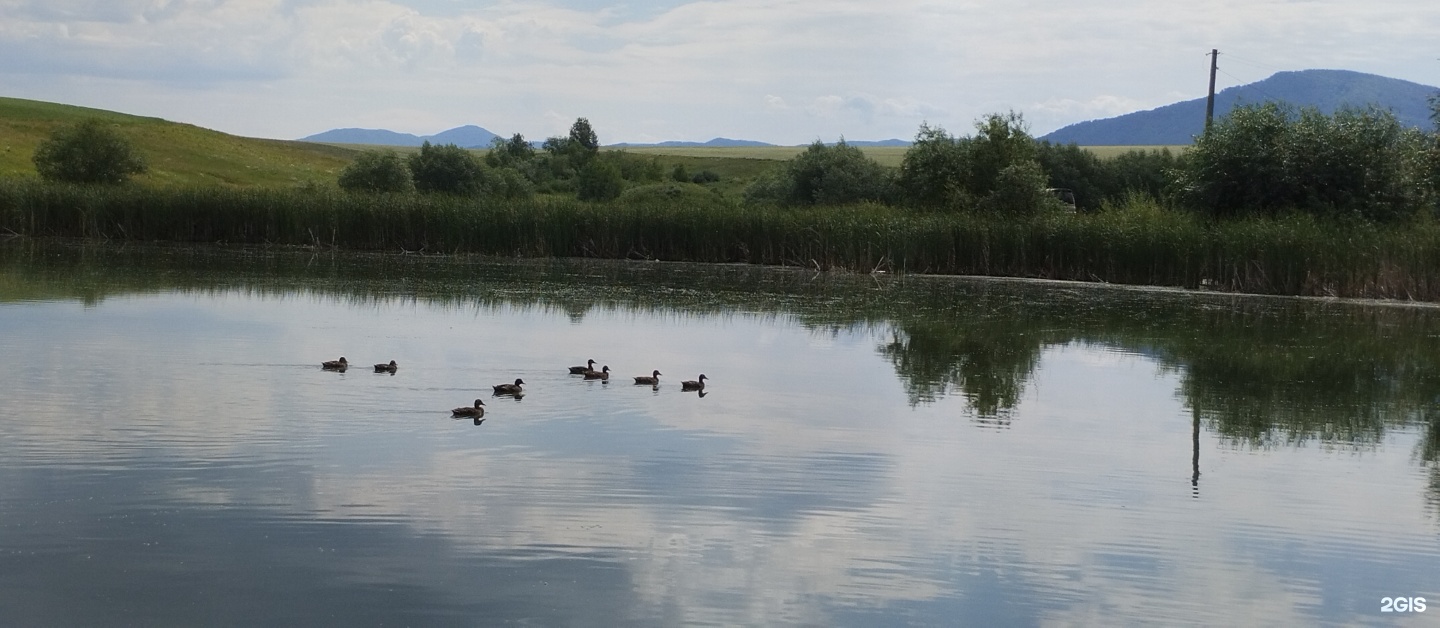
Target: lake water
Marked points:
868	451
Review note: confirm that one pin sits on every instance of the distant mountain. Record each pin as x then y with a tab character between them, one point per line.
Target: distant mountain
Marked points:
379	137
468	136
1326	90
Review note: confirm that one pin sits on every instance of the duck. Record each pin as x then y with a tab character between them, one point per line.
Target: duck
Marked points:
694	384
383	368
602	374
509	389
465	411
335	365
581	370
652	380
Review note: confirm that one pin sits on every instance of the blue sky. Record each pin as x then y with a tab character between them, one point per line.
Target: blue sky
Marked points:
782	71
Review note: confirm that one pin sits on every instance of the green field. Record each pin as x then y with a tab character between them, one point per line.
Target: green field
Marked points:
178	154
886	155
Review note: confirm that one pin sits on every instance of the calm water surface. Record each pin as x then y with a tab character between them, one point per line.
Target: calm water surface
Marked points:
869	451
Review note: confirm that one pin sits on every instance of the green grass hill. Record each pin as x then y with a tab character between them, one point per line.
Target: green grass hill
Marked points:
177	154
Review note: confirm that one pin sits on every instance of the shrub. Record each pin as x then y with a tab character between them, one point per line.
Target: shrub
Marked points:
599	180
688	195
679	174
934	171
510	184
1268	158
377	171
835	175
705	176
770	188
512	153
87	152
1019	189
448	169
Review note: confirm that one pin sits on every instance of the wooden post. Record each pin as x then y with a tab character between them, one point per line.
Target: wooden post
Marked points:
1210	100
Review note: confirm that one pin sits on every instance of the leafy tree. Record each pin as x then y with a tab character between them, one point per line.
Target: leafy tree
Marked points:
833	175
1080	171
377	171
1003	140
512	153
935	169
1269	158
87	152
599	180
448	169
583	139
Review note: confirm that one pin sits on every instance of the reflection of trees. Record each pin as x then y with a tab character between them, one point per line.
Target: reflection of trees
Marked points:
986	362
1299	372
1260	372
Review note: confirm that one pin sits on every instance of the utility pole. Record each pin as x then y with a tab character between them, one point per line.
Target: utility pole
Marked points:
1210	100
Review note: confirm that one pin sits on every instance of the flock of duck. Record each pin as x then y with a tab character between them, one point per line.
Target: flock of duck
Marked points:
477	411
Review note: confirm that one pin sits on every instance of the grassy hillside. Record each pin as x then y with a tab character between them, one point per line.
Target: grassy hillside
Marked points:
177	153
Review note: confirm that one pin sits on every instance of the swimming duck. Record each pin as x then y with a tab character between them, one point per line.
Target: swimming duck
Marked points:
382	368
581	370
475	411
652	380
694	384
335	365
603	374
509	389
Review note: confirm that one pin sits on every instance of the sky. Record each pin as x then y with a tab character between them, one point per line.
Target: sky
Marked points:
780	71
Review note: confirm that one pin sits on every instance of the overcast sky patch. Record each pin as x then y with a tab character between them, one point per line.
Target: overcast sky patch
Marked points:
785	72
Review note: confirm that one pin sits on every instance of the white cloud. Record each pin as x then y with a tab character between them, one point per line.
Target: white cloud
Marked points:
682	70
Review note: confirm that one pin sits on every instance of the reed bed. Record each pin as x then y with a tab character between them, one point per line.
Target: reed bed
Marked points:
1136	242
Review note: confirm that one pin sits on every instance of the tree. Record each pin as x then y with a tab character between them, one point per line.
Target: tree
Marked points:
935	169
377	171
448	169
833	175
1270	158
87	152
583	139
514	152
1003	141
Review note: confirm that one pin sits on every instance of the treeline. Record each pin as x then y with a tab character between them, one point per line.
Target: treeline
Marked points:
1266	159
571	165
1268	201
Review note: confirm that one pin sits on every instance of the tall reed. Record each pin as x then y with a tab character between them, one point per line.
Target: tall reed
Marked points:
1133	242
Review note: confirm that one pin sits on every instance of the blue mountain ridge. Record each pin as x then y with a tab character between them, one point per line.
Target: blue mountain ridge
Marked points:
1326	90
468	136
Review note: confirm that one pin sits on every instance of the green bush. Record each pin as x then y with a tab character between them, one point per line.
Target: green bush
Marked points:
1019	189
377	171
1269	158
87	152
599	180
687	195
833	175
935	169
448	169
946	172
